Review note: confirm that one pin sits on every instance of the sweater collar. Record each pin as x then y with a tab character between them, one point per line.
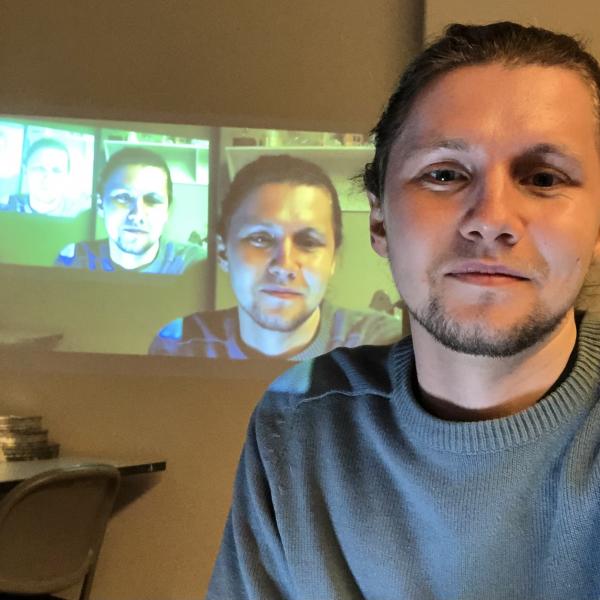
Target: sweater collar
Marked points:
574	396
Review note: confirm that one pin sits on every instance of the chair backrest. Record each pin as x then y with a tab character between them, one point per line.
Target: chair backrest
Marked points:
52	526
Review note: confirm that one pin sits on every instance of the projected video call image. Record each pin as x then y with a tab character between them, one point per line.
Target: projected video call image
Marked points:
266	231
106	199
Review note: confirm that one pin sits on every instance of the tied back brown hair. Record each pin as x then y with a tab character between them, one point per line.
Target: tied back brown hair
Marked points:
469	45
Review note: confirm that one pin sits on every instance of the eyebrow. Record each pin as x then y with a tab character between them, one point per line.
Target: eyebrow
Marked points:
412	146
555	149
461	145
125	192
443	144
310	230
269	226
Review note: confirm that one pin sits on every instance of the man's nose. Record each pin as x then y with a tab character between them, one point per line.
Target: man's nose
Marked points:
494	210
284	263
137	208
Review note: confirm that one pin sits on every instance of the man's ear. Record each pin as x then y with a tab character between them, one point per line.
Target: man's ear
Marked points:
100	205
377	226
596	255
333	263
222	254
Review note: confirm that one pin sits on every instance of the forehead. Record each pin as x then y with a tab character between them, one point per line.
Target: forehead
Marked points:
48	154
503	108
286	203
138	176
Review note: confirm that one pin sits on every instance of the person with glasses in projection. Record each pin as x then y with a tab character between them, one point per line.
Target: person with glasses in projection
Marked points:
135	195
278	235
462	462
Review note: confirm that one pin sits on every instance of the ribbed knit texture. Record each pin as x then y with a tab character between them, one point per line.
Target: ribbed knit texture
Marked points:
347	489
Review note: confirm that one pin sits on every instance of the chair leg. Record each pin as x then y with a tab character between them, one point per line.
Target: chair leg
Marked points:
86	588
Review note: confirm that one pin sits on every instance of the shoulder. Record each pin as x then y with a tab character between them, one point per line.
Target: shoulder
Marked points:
588	341
209	334
12	202
68	252
172	330
176	257
211	320
197	323
170	338
18	203
92	247
364	370
353	327
82	254
186	249
318	394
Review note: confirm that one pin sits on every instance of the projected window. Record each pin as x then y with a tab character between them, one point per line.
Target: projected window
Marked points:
189	240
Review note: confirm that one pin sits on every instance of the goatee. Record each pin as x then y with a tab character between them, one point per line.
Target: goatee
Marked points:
479	340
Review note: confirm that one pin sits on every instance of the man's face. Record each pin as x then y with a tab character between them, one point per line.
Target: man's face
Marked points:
47	174
491	206
136	207
280	253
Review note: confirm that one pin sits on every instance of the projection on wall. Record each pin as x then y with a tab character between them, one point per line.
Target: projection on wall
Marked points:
193	241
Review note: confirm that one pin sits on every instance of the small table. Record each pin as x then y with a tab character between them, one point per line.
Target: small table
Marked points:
13	472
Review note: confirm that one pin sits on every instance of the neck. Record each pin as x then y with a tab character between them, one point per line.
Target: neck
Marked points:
462	387
274	343
130	261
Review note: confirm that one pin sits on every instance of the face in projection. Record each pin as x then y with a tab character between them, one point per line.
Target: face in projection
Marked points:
280	253
491	210
136	209
47	174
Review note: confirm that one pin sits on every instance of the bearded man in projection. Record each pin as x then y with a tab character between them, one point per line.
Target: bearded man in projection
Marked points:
135	195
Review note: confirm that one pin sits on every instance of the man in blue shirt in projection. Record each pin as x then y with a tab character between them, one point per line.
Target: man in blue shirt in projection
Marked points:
278	236
460	463
135	195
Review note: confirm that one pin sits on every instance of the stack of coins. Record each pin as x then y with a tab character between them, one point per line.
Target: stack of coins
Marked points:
22	438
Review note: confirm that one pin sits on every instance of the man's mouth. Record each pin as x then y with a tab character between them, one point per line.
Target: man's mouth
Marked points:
135	230
487	274
282	292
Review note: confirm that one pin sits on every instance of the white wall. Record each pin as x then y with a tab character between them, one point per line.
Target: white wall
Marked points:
576	17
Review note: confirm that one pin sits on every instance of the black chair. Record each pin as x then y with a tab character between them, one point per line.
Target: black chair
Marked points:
51	530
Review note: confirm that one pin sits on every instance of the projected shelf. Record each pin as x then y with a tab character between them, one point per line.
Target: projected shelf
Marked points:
334	160
28	339
188	163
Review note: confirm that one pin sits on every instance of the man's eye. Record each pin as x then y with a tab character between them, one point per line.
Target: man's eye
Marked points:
544	179
309	242
153	200
260	240
122	199
444	176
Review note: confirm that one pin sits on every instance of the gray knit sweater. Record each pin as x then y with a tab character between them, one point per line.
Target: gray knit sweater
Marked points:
347	489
